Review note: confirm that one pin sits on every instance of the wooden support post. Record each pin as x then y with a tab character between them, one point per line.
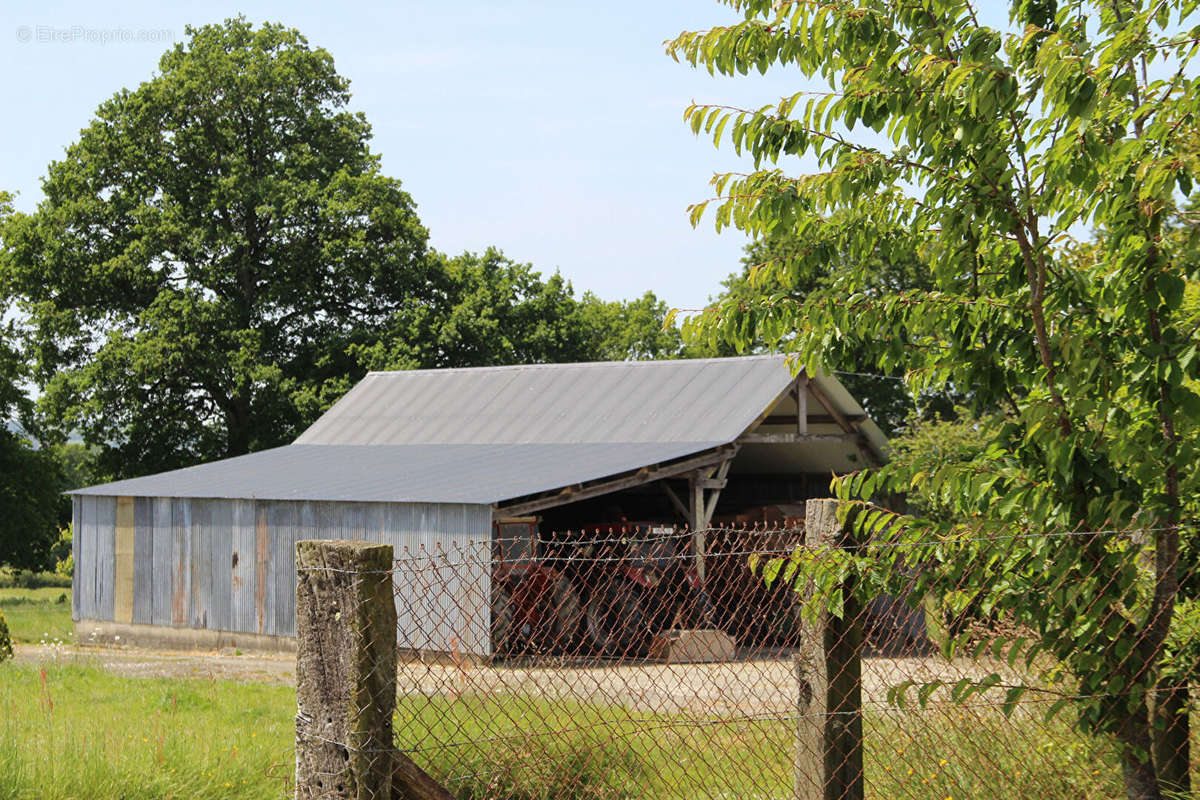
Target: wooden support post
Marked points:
829	733
802	406
345	670
346	678
696	499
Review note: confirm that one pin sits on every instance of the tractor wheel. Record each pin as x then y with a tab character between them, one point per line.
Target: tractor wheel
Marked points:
699	611
503	624
567	619
615	621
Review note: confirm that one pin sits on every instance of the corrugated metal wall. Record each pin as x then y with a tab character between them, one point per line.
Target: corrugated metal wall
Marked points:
231	564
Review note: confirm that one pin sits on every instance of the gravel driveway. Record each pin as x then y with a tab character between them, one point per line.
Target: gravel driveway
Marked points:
731	688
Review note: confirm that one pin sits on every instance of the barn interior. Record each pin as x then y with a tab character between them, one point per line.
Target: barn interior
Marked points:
696	519
786	456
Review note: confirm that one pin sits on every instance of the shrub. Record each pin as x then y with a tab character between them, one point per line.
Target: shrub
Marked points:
25	579
6	650
61	552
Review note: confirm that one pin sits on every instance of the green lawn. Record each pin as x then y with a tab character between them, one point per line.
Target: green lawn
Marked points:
75	731
608	753
78	732
38	615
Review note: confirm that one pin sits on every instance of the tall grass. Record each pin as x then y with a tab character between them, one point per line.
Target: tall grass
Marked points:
518	748
70	731
78	732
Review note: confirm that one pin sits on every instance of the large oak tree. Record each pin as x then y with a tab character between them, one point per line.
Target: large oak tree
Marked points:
208	253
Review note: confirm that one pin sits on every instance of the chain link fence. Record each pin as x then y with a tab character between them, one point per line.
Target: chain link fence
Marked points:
788	662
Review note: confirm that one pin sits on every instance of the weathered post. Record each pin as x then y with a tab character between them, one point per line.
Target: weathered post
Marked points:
829	733
345	670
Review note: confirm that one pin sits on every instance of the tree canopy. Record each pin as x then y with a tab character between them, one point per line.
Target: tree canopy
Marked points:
998	148
31	478
884	397
218	258
491	310
208	252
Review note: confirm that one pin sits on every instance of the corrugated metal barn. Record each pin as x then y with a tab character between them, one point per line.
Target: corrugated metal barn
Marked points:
204	556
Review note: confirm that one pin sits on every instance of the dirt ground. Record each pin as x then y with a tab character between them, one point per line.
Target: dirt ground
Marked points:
736	688
139	663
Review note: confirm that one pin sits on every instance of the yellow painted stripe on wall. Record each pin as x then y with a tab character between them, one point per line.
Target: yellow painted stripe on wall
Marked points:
123	562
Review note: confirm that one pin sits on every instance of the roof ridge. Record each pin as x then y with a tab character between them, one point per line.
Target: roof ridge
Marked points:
644	362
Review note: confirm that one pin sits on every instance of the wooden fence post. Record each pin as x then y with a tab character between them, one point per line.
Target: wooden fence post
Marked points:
829	733
345	670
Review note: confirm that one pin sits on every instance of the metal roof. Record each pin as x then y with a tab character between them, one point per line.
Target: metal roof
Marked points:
484	435
701	400
456	473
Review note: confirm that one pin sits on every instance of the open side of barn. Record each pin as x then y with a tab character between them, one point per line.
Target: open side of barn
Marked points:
429	462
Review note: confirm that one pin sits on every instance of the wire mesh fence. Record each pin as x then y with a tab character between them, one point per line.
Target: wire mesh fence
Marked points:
616	663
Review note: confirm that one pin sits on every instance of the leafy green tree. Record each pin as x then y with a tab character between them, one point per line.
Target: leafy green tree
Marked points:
928	445
766	274
209	252
31	478
30	503
629	329
998	147
491	310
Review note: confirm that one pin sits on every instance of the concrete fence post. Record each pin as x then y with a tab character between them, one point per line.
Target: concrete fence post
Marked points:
829	732
345	670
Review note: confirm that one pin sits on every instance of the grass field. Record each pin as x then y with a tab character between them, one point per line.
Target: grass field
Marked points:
76	731
36	615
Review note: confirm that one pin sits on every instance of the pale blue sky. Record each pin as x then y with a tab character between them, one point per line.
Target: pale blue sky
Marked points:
550	129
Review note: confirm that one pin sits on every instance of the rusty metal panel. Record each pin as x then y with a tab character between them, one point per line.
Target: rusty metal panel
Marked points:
143	559
201	517
76	532
264	573
161	572
220	562
181	561
106	531
242	583
284	519
442	575
185	573
86	565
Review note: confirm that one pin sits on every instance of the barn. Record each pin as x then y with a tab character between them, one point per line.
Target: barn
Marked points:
430	460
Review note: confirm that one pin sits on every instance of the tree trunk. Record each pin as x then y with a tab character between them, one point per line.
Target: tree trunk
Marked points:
1137	769
1172	754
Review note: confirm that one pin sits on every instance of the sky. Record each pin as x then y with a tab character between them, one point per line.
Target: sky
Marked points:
552	130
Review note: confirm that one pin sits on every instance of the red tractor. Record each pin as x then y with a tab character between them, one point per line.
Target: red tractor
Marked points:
635	579
605	590
534	607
